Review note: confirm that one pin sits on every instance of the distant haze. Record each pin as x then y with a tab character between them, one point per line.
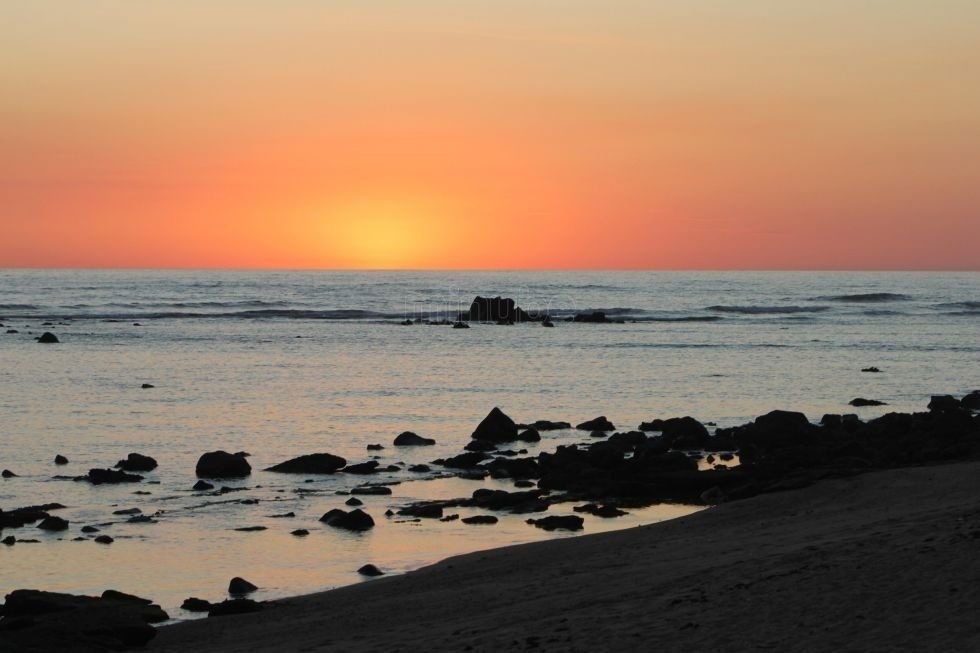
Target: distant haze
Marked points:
490	134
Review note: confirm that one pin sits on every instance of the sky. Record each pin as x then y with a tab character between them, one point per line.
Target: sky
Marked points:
650	134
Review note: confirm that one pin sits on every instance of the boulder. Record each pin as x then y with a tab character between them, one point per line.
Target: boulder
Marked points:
480	519
426	510
684	433
409	439
420	468
480	445
221	464
355	520
556	522
110	477
598	424
7	474
135	462
494	309
194	604
60	460
202	485
971	401
496	427
300	532
369	467
239	585
942	403
234	606
463	461
354	501
313	463
370	570
48	338
53	523
529	435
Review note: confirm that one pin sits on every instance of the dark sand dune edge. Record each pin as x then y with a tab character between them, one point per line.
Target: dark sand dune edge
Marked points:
882	561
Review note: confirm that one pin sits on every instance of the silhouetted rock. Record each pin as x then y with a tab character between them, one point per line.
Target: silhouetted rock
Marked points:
194	604
513	468
371	490
942	403
496	427
234	606
546	322
104	539
221	464
409	439
684	433
36	620
313	463
873	370
463	460
110	477
605	511
60	460
370	570
355	520
861	401
480	519
460	325
53	523
494	309
354	501
529	435
546	425
420	468
137	463
48	338
480	445
89	529
426	510
300	532
251	529
202	485
595	317
598	424
556	522
7	474
239	585
375	447
971	401
369	467
127	511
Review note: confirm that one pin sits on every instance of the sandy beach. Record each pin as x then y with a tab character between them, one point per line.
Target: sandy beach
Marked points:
882	561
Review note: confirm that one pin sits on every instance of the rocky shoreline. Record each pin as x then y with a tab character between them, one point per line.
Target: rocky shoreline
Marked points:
606	474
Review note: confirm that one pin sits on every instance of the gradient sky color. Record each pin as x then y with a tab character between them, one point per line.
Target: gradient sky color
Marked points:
507	134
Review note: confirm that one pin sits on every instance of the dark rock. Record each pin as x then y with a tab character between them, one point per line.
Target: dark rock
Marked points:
300	532
314	463
371	490
194	604
354	501
409	439
104	539
463	460
546	322
684	433
239	585
251	529
556	522
48	338
480	445
60	460
89	529
942	403
861	401
480	519
513	468
127	511
370	570
141	519
53	524
450	518
234	606
10	540
369	467
355	520
605	511
374	447
8	474
873	370
494	309
529	435
595	317
420	469
496	427
546	425
598	424
110	476
221	464
426	510
971	401
460	325
202	485
284	515
523	484
137	463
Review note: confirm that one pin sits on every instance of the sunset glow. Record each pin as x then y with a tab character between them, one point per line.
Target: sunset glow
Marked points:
436	134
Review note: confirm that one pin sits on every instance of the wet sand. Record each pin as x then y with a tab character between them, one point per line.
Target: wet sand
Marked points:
882	561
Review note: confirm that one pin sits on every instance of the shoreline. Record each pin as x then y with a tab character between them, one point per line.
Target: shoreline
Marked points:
878	561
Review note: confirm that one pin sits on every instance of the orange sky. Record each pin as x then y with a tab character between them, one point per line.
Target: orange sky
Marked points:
511	133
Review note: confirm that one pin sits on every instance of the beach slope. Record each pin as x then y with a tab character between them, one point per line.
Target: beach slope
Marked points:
883	561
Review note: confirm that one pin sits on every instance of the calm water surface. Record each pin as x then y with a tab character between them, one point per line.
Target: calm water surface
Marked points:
285	363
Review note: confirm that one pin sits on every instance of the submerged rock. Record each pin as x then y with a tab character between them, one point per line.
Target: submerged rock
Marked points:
355	520
409	439
861	401
370	570
221	464
314	463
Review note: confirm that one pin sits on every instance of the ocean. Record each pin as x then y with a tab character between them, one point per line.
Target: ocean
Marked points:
283	363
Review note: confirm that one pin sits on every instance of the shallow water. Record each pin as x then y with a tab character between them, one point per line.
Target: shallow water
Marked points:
723	347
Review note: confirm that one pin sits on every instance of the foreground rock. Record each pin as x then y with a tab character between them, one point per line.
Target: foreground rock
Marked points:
409	439
496	427
313	463
221	464
34	620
